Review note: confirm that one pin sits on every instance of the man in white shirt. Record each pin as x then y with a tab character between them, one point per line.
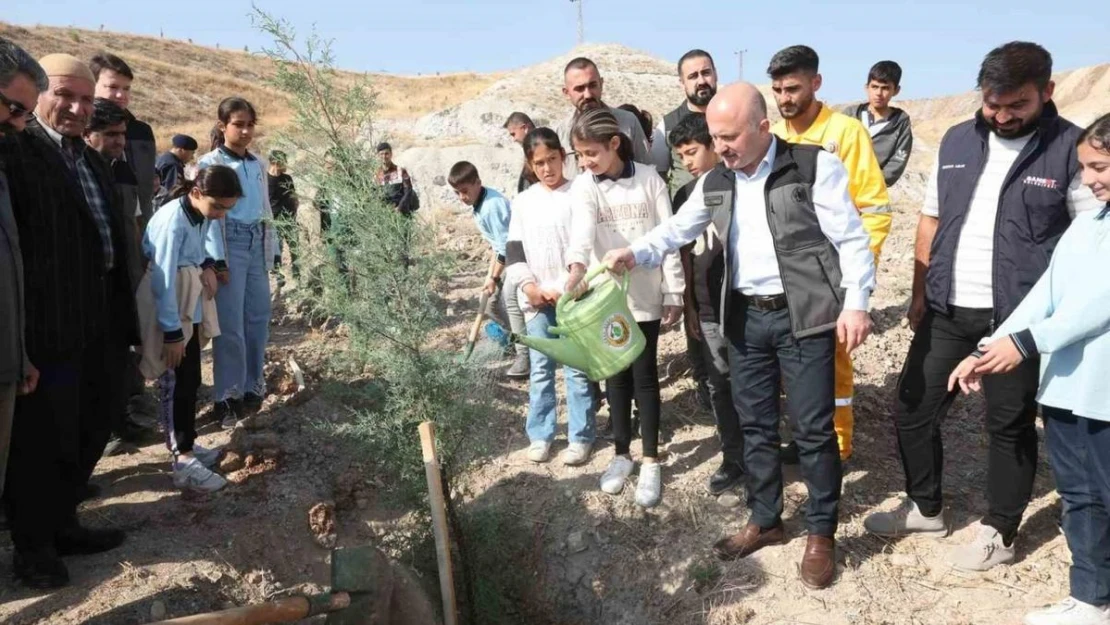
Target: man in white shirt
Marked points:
1001	194
799	274
583	86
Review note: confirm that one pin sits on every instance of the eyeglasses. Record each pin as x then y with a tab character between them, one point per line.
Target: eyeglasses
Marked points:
15	109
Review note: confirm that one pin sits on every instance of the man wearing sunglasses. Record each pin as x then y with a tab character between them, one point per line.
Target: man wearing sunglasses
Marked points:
79	246
21	80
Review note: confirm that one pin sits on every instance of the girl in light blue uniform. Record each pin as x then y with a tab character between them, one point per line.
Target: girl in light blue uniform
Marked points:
245	241
1065	320
180	278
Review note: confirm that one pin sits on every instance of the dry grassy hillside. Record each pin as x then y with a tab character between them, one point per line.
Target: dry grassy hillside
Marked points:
434	121
179	84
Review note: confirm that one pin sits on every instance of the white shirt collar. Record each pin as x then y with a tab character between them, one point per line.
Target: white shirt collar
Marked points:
764	165
54	134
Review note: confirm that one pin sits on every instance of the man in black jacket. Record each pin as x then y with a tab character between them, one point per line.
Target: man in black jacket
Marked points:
21	80
698	75
1004	189
79	268
113	81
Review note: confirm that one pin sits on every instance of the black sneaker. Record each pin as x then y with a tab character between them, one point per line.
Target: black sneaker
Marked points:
42	570
251	403
82	541
227	413
726	477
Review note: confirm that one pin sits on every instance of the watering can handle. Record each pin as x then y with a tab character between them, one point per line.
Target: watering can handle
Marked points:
567	300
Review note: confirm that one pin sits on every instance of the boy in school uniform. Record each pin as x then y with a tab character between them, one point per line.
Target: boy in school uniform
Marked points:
703	264
491	215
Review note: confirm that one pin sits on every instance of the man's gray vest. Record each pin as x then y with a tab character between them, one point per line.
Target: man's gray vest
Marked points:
808	262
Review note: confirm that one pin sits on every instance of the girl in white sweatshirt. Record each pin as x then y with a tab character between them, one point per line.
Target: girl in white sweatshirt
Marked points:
615	201
539	235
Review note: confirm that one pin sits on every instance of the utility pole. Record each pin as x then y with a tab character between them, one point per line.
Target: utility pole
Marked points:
581	27
740	63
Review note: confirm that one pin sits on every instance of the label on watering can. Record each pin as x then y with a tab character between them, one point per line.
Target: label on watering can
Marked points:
616	331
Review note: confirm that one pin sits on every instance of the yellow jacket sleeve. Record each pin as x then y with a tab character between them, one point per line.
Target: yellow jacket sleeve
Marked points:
866	185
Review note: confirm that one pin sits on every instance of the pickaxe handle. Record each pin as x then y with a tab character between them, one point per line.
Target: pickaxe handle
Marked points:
286	610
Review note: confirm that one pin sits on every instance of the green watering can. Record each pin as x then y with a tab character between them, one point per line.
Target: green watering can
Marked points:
599	337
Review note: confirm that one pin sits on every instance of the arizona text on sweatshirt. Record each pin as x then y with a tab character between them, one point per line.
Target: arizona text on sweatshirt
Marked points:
539	236
609	214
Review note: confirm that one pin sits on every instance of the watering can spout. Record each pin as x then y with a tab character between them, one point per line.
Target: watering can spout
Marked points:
561	350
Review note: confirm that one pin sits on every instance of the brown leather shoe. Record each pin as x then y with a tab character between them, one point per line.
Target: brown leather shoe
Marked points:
819	562
750	540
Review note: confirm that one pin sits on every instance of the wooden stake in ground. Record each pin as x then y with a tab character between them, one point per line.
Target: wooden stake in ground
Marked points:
439	522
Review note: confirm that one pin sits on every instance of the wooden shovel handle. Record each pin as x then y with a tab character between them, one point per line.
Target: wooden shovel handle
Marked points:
286	610
482	301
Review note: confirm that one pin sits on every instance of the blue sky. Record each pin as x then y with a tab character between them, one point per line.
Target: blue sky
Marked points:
939	45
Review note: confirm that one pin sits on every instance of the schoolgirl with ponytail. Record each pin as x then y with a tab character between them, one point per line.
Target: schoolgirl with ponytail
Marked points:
176	314
614	202
246	241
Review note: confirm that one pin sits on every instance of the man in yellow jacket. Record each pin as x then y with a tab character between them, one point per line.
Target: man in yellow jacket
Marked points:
795	81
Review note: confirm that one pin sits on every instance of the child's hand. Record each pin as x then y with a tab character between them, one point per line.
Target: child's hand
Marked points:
1001	356
671	315
966	377
619	261
210	282
535	295
576	286
551	296
173	353
693	323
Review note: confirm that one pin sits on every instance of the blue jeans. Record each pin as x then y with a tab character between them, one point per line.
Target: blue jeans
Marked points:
542	413
1079	452
244	310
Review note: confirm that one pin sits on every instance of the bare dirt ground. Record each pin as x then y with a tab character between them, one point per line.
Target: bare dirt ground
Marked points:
587	558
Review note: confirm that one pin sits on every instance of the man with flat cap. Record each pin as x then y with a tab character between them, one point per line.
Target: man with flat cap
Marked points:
78	241
171	163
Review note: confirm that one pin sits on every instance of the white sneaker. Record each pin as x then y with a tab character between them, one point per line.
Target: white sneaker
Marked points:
192	475
983	553
1070	612
905	519
576	454
208	457
612	481
539	451
649	488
